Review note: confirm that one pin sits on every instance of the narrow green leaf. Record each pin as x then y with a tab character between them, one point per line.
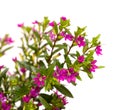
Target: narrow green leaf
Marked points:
3	73
47	97
44	102
64	90
100	67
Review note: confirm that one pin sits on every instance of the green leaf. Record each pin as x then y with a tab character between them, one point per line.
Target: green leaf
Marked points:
95	40
68	61
47	38
29	106
25	64
8	48
65	23
20	91
55	28
45	23
100	67
3	73
63	90
37	35
44	102
79	31
47	97
28	29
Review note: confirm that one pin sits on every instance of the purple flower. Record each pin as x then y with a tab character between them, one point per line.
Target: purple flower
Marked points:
60	74
93	66
63	98
1	67
21	25
23	70
65	74
71	76
14	59
98	50
35	22
63	33
63	18
52	24
6	106
39	80
2	97
81	59
52	36
80	41
26	98
8	40
34	92
3	101
69	37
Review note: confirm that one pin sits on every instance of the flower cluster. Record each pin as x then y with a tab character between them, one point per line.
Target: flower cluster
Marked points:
65	74
3	102
51	53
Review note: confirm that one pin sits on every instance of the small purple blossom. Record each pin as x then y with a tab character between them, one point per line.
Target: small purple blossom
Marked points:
63	33
98	50
34	91
23	70
52	35
93	66
63	98
1	67
63	18
81	59
52	24
80	41
14	59
8	40
71	76
6	106
3	101
69	37
26	98
20	25
39	80
35	22
65	74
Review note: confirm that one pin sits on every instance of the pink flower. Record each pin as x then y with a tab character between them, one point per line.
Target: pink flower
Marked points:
80	41
71	75
52	24
63	98
8	40
2	66
6	106
34	91
35	22
3	102
69	37
26	98
20	25
65	74
63	18
14	59
98	50
39	80
23	70
52	36
81	59
93	66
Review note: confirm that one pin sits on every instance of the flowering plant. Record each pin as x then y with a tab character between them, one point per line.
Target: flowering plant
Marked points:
51	56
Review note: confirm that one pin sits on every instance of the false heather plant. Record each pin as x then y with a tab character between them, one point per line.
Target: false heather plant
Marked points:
51	55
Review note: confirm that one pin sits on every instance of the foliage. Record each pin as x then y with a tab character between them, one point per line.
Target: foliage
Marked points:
51	54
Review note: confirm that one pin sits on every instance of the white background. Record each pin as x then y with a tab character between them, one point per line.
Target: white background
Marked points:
100	16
